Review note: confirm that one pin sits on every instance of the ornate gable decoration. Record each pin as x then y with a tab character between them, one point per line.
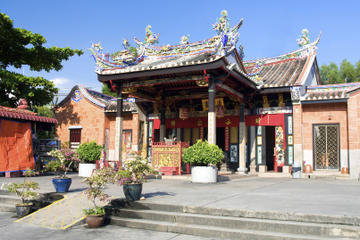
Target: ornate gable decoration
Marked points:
219	45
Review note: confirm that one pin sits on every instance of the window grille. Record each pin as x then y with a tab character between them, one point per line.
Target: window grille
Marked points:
326	146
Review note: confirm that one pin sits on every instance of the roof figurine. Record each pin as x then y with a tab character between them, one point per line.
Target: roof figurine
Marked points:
219	45
304	39
150	37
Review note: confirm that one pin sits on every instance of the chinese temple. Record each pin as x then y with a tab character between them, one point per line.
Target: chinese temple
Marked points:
254	110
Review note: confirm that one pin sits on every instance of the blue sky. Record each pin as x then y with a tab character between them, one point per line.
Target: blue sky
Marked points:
270	27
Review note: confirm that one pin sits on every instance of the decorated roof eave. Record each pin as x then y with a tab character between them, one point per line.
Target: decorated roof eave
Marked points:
216	64
84	93
240	61
311	59
240	77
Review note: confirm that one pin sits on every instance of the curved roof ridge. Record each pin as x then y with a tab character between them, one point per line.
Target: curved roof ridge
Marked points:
87	94
302	52
335	85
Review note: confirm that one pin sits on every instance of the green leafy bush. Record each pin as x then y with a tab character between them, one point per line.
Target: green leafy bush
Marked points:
203	154
89	152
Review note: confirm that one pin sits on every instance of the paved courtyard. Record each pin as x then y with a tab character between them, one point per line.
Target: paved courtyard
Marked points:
340	198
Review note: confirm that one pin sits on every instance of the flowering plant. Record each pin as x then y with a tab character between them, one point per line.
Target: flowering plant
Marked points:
65	158
96	182
24	190
135	171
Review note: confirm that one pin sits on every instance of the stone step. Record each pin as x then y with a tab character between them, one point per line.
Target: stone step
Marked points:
208	231
270	215
7	207
9	199
253	224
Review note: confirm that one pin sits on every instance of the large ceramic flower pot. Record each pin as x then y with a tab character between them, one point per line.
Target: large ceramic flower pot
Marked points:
86	169
132	191
23	209
204	174
95	221
61	184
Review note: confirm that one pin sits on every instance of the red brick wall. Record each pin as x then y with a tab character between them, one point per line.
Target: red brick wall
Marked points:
324	114
354	121
130	122
82	113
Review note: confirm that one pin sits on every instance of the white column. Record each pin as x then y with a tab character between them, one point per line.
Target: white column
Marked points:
242	145
212	127
252	150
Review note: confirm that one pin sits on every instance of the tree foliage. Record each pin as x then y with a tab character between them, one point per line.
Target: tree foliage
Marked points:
347	72
18	48
45	111
106	90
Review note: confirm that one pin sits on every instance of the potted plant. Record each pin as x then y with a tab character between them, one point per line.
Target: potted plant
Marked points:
88	154
96	182
133	176
65	159
203	157
24	191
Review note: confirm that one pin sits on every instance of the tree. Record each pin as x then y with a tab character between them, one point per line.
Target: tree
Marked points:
20	47
106	90
347	72
330	74
45	111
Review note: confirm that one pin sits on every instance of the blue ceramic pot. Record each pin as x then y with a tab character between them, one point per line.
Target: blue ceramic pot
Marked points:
62	184
132	191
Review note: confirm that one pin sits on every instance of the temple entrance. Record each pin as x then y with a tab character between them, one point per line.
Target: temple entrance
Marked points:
220	137
269	145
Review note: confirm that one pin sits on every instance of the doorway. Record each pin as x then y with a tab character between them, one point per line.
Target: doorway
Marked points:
220	137
269	147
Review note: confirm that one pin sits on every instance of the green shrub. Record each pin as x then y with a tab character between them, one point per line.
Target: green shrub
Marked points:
89	152
203	154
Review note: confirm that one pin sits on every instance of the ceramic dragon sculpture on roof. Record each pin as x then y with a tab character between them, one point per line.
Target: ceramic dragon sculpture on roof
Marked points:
221	44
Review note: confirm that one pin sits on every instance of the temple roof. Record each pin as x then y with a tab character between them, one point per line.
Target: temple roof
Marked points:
290	69
329	92
281	71
99	99
145	56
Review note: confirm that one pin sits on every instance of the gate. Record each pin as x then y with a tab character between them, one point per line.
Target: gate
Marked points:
326	146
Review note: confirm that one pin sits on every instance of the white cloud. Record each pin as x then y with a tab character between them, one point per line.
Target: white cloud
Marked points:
60	82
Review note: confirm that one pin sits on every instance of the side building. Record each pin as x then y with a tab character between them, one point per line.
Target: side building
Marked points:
85	115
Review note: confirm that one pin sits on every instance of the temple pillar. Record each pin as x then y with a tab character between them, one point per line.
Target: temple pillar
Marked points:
252	149
298	136
118	126
242	141
162	124
211	112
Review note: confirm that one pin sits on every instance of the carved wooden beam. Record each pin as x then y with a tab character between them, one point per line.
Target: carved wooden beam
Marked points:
154	82
229	90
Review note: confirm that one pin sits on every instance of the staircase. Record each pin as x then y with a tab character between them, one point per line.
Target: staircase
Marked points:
238	224
8	201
